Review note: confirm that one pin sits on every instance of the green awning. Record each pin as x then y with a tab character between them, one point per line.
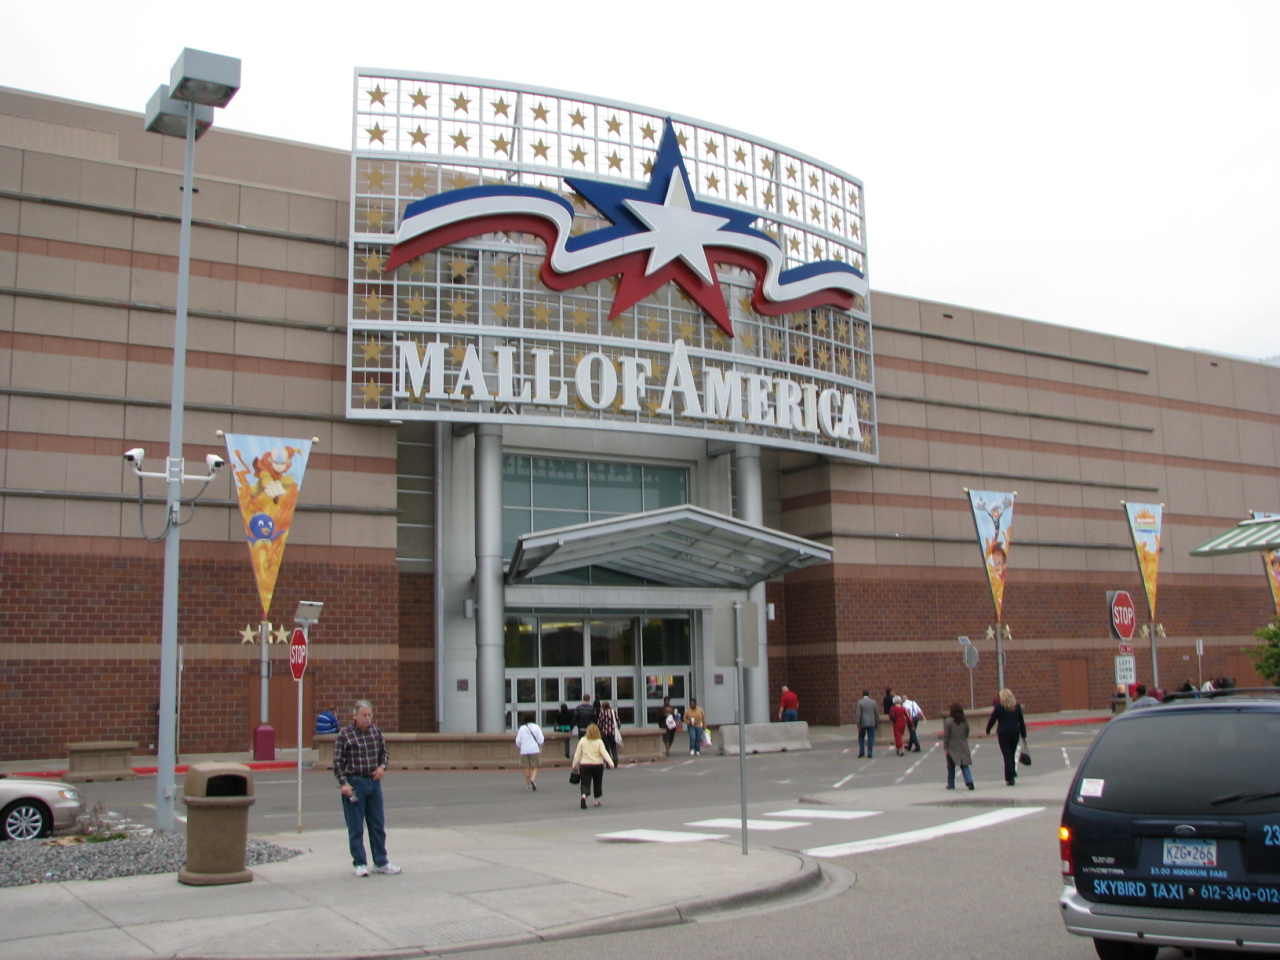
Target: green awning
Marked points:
1248	536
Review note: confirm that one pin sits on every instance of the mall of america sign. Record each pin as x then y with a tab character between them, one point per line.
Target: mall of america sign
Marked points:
531	256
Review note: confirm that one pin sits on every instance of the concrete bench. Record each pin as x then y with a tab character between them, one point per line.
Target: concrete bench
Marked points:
762	737
100	760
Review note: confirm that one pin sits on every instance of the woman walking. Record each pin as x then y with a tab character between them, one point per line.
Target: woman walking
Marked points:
696	721
589	760
1009	724
955	742
898	717
609	729
564	724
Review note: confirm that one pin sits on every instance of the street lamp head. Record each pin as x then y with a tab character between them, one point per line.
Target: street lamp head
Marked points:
204	78
168	117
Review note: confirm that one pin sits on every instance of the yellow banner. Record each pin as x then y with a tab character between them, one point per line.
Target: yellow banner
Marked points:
268	477
1144	526
993	519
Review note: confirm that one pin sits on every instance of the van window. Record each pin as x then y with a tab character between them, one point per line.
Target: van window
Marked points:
1175	762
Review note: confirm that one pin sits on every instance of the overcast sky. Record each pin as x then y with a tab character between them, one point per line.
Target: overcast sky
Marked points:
1106	165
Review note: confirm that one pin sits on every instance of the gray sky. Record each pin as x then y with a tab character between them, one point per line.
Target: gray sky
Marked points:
1104	165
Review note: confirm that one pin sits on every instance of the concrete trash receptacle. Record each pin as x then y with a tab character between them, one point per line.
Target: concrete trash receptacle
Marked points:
218	796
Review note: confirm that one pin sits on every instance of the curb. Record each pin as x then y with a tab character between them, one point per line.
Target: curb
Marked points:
180	768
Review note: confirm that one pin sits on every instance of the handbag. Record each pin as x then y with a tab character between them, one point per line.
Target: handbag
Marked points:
1024	757
706	737
575	776
617	737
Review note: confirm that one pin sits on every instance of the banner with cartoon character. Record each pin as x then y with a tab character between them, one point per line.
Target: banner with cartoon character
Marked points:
268	477
1271	563
993	518
1144	526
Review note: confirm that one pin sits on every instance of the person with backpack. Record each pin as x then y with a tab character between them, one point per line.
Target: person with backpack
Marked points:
529	740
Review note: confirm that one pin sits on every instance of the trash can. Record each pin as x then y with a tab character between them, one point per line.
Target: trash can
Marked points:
218	796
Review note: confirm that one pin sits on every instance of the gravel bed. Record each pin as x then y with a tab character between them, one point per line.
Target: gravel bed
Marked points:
39	862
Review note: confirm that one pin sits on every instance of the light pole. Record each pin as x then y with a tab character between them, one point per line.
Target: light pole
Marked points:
198	82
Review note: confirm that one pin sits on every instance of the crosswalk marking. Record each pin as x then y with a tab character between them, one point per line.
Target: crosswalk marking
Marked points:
918	836
659	836
730	823
824	813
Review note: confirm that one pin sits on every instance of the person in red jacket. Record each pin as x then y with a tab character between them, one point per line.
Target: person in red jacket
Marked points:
789	705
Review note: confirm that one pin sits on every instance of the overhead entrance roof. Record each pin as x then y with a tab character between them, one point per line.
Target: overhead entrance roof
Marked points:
680	546
1248	536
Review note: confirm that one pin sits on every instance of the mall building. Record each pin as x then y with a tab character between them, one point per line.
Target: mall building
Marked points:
600	397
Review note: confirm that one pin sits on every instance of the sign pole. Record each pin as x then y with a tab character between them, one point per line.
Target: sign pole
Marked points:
301	681
742	720
298	667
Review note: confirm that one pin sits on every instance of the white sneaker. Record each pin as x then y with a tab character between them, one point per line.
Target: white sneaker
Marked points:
361	870
389	868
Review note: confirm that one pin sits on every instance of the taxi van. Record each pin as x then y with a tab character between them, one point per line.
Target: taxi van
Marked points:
1170	833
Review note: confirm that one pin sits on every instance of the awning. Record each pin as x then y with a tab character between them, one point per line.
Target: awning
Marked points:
1248	536
679	546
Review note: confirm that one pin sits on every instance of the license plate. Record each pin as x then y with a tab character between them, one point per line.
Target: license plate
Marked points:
1191	853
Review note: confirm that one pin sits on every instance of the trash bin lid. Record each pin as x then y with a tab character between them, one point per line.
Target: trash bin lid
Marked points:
218	778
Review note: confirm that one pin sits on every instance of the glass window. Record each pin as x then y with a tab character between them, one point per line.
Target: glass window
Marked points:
515	524
627	715
665	487
551	689
515	482
520	648
615	488
526	690
562	645
604	688
675	687
613	643
572	690
626	688
561	484
666	641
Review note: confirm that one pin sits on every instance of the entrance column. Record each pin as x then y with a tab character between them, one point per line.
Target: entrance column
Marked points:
490	657
749	494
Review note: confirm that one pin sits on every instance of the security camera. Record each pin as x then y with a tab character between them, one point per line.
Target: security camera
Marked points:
135	455
215	462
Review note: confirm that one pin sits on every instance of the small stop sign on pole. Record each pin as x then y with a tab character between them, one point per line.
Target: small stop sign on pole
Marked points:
1124	616
298	653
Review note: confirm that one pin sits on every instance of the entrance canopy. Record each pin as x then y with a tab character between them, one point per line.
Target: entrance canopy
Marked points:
679	547
1248	536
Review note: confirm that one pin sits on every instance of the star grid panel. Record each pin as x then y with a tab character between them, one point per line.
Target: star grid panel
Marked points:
417	136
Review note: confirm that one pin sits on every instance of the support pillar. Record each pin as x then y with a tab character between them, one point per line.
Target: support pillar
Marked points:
490	657
748	492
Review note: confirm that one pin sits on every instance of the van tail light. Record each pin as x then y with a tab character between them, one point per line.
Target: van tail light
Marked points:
1064	844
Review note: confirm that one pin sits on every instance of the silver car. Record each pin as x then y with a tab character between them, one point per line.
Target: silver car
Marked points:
31	807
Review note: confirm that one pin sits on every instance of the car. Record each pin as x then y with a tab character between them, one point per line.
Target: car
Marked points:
1170	833
31	808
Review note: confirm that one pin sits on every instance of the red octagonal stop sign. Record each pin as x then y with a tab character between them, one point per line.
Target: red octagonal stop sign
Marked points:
1124	618
298	653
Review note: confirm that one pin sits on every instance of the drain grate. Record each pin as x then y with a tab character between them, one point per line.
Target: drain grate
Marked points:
456	931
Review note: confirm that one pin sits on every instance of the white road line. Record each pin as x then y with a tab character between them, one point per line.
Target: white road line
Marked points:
840	783
658	836
979	822
180	819
911	769
730	823
822	813
1066	761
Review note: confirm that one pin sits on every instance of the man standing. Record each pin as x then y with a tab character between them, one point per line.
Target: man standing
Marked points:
916	716
788	706
360	762
868	717
1144	699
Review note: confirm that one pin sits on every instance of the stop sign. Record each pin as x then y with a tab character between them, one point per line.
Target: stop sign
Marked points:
298	653
1124	618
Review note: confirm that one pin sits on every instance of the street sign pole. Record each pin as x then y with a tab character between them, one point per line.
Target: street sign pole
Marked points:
299	751
742	720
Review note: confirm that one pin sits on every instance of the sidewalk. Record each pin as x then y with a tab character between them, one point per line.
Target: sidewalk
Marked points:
463	887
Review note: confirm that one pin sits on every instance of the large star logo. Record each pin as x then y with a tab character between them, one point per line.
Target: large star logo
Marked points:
667	233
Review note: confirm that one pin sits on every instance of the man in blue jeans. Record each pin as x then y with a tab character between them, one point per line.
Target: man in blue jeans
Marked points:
360	762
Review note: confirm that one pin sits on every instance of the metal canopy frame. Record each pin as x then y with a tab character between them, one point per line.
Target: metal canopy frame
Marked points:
678	546
1248	536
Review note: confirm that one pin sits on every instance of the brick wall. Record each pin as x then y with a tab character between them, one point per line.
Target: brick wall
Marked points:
417	653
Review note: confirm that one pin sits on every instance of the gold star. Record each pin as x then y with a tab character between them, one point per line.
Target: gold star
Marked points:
795	244
372	263
502	144
615	161
460	102
373	217
686	330
459	180
418	136
614	124
281	634
372	304
458	352
739	155
862	368
580	317
767	197
418	180
775	346
842	331
717	337
835	190
652	325
801	352
372	350
652	404
791	172
855	229
372	391
648	167
815	212
248	634
740	188
500	107
835	221
540	113
541	314
648	131
460	267
501	269
459	139
860	333
864	405
376	133
416	305
824	357
540	149
817	251
579	155
579	118
682	139
501	309
420	98
376	177
378	95
745	303
459	308
417	267
822	323
767	163
748	342
713	182
813	180
844	364
711	146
